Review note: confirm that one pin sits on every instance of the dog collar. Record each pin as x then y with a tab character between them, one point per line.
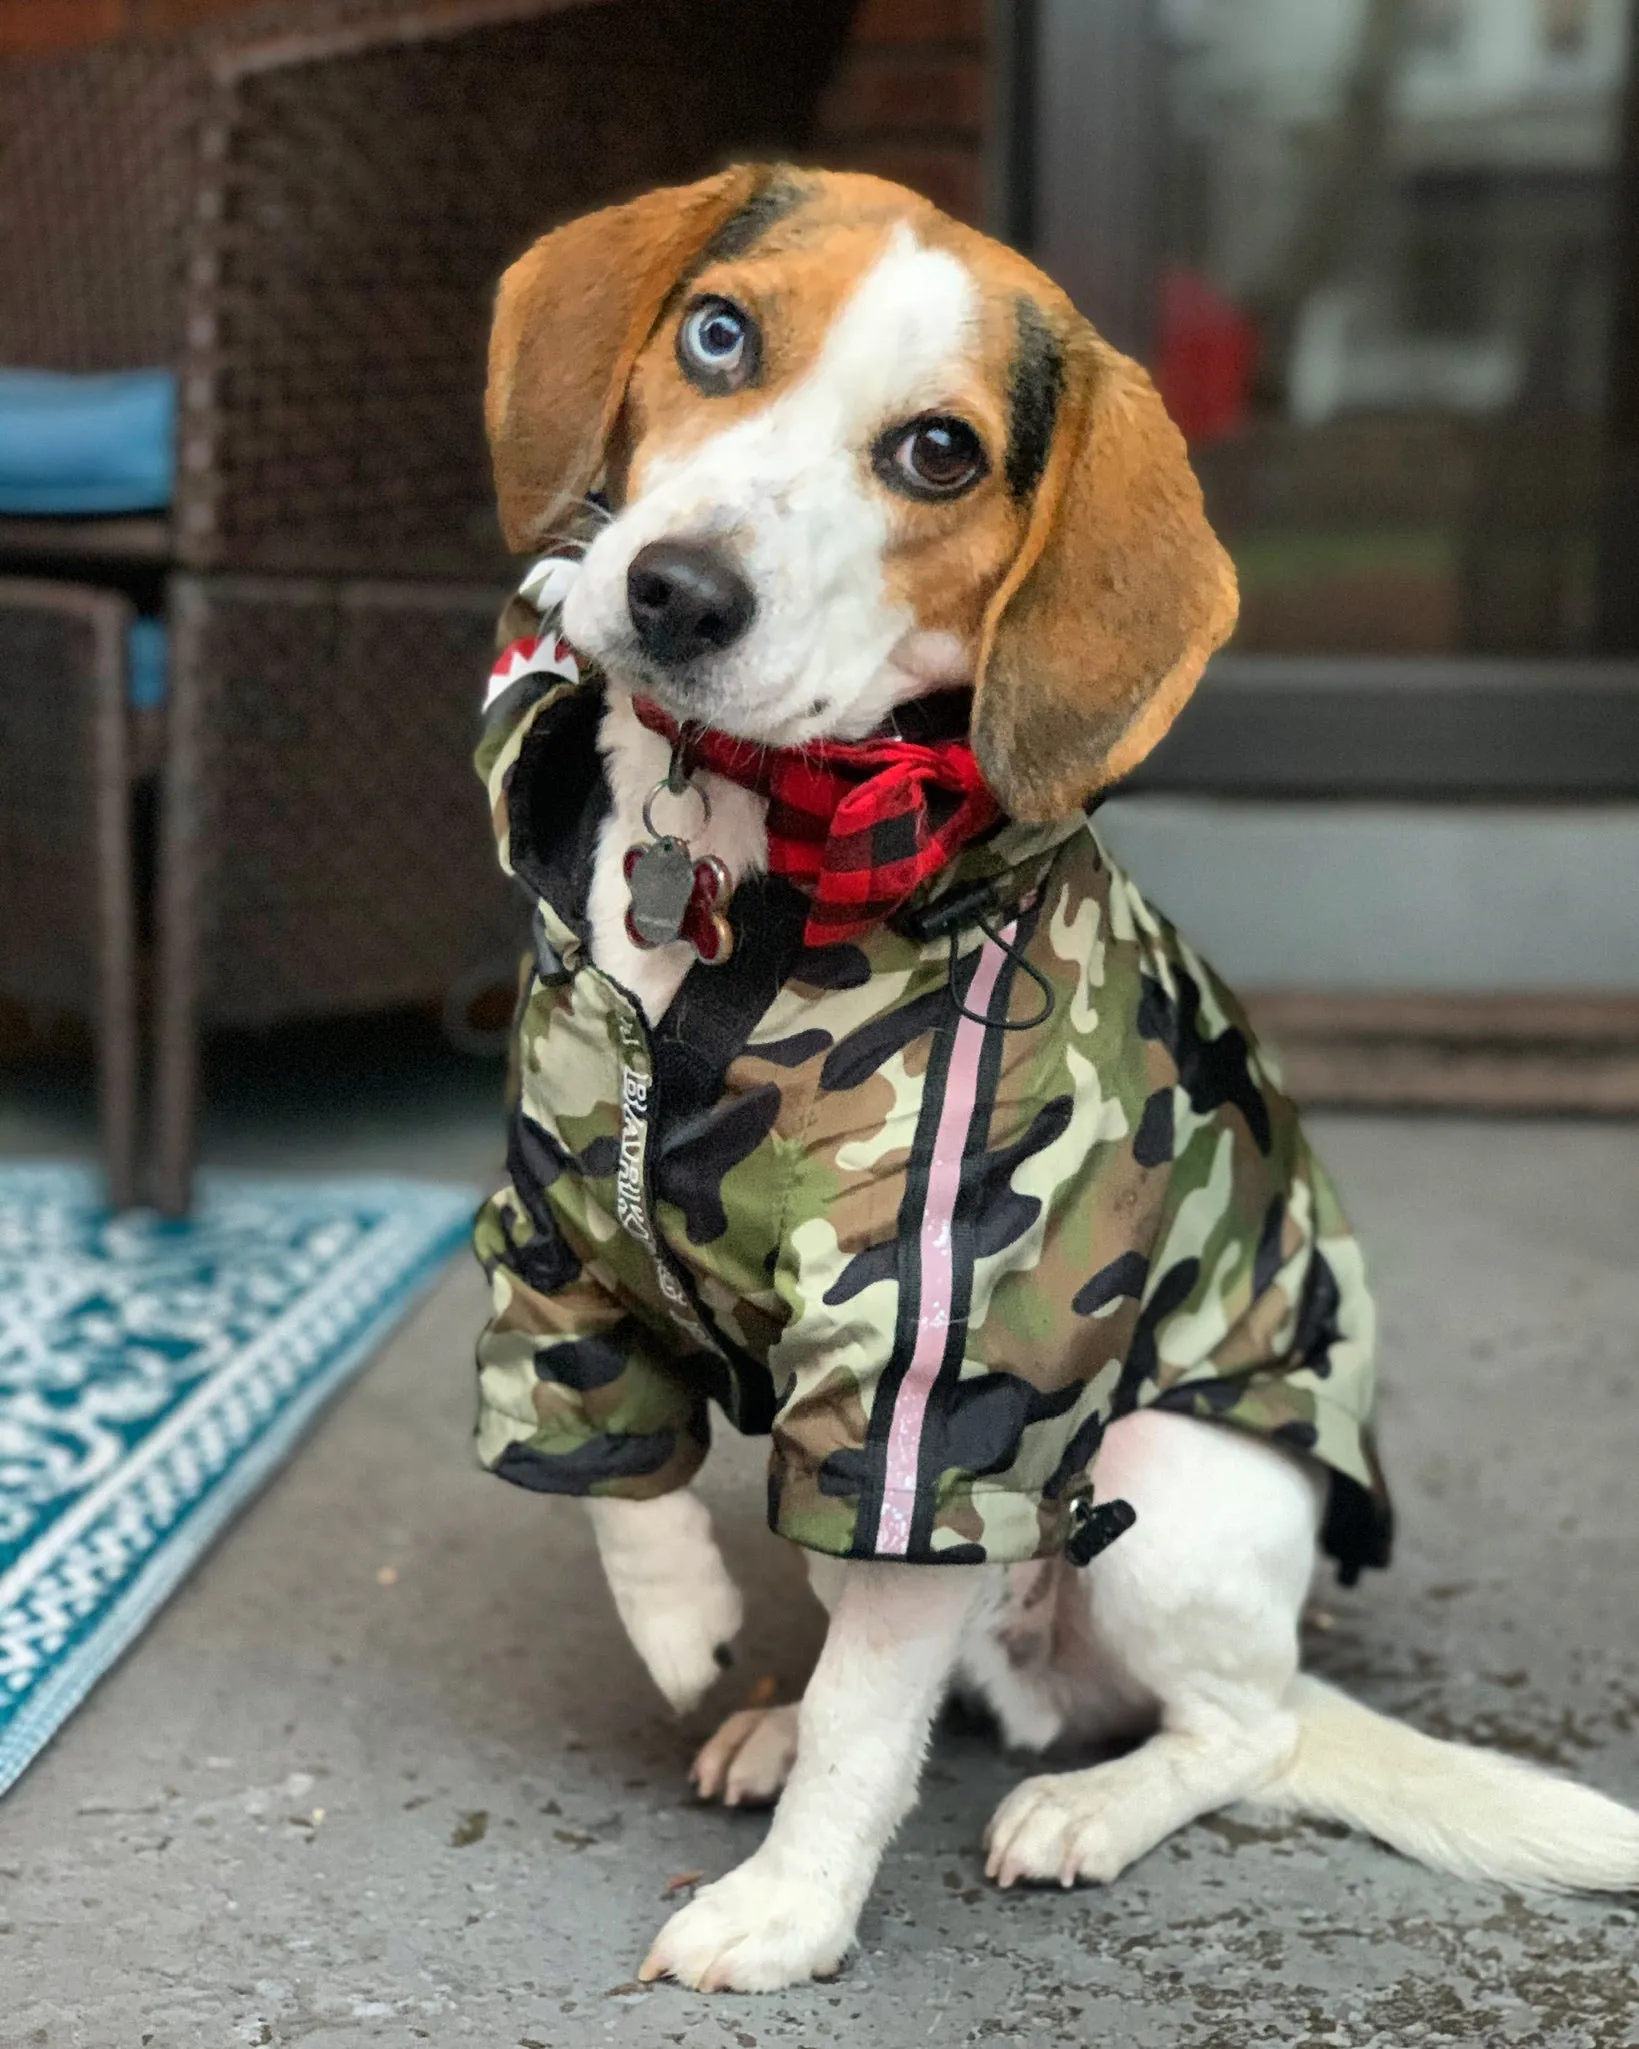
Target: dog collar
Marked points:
858	825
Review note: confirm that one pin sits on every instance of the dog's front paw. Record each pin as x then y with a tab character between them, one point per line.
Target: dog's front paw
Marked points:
672	1591
758	1930
682	1632
1054	1831
748	1761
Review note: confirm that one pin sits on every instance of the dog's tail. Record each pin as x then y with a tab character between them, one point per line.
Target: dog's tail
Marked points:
1471	1812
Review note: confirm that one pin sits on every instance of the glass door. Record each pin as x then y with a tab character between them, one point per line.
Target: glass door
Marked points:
1381	256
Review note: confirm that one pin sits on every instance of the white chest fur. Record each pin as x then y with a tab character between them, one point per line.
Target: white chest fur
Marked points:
736	833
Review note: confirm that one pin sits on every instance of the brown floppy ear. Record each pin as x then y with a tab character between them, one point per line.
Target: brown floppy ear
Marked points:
1120	592
570	318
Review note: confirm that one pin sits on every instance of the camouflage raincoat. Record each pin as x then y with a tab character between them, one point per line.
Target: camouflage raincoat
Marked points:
931	1256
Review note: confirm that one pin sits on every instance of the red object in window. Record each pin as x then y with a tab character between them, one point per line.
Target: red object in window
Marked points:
1209	350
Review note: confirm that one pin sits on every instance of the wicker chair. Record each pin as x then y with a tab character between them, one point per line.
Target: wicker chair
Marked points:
66	930
307	218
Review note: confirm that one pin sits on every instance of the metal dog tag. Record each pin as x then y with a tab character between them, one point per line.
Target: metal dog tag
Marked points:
660	885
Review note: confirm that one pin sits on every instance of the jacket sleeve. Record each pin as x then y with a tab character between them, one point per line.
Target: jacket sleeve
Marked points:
574	1395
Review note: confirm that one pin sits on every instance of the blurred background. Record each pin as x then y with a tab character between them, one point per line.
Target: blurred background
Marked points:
1382	255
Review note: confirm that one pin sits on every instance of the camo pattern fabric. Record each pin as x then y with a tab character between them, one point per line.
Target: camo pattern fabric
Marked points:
858	1198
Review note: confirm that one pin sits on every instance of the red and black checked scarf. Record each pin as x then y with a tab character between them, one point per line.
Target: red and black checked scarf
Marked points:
858	824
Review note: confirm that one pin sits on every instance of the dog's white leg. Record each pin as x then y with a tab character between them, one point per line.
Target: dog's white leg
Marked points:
790	1911
671	1588
1195	1610
748	1761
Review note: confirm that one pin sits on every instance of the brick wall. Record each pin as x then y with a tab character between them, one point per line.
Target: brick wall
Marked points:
908	101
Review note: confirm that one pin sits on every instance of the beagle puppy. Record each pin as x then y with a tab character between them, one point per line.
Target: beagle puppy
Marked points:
862	1096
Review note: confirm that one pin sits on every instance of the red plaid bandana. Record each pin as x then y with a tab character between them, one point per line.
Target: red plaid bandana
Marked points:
858	824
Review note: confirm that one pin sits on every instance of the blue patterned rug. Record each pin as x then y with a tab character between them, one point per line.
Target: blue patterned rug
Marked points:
153	1376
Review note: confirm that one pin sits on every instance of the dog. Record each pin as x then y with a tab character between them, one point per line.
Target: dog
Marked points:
861	1094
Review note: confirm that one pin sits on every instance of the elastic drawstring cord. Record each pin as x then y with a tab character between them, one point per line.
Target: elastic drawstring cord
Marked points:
1019	960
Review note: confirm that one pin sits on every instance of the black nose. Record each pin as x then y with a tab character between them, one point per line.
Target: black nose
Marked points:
686	599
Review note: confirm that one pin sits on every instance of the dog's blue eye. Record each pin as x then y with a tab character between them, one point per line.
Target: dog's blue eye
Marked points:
716	345
716	335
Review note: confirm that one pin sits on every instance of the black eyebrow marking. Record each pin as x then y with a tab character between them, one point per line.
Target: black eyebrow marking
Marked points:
742	231
1035	385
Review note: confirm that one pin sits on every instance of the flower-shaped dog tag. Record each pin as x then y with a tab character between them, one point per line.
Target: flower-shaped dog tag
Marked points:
704	926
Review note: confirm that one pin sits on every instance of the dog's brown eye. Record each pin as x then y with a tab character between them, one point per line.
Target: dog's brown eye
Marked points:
717	345
938	457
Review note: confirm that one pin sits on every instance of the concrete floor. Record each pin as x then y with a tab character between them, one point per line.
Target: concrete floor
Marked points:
386	1772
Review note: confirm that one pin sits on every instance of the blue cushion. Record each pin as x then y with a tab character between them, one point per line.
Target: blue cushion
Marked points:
145	664
71	444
